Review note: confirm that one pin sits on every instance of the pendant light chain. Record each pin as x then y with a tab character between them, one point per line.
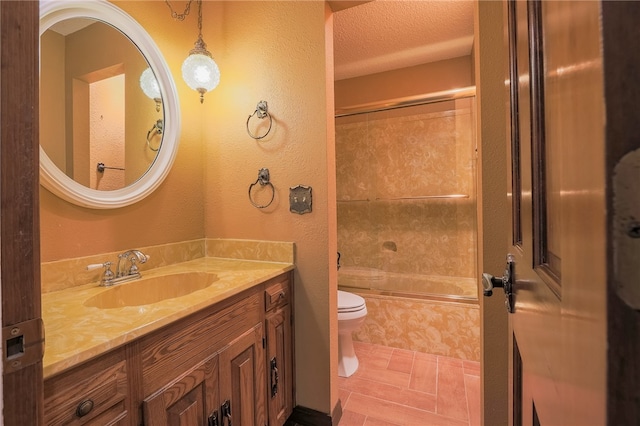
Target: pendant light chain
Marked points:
199	70
199	18
181	16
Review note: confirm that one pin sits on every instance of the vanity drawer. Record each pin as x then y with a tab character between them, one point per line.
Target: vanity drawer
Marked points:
94	393
277	293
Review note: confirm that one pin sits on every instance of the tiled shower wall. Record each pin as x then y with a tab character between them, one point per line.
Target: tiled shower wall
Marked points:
396	173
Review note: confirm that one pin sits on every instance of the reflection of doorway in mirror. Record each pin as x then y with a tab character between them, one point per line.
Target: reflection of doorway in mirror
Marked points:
107	133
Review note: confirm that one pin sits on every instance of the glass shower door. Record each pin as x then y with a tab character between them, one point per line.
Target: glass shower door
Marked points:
406	199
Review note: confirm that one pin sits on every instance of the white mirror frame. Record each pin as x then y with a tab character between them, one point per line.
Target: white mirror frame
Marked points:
51	177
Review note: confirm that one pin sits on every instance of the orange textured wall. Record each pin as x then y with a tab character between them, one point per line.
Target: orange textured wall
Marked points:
172	213
420	79
277	52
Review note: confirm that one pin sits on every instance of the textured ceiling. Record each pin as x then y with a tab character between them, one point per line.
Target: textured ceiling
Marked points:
388	34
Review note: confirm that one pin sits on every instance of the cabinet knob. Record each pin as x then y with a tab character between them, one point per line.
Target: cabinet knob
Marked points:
84	408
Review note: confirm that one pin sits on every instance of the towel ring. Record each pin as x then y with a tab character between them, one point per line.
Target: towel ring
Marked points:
155	130
263	179
262	110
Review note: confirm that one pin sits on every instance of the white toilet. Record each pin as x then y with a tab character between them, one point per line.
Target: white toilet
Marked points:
351	312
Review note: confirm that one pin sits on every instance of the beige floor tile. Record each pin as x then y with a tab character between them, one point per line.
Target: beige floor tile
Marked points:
379	409
376	422
349	418
472	386
397	394
471	367
452	399
425	373
396	387
401	361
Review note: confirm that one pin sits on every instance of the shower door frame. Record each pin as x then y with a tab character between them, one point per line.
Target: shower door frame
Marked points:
407	101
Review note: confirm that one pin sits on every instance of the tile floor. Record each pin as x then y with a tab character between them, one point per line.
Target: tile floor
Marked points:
395	387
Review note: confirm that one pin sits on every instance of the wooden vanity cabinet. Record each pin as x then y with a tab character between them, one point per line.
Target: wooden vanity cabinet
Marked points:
230	364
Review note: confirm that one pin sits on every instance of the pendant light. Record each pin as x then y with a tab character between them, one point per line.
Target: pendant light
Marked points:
199	70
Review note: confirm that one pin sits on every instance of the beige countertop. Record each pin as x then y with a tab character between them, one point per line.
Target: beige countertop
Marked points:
75	333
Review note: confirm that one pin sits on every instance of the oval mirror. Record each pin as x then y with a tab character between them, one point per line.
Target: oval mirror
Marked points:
109	111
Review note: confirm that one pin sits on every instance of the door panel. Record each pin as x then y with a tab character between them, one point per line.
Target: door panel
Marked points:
620	30
187	401
280	363
558	344
242	380
20	251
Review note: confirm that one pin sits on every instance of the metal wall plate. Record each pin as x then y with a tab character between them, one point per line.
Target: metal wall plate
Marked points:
300	199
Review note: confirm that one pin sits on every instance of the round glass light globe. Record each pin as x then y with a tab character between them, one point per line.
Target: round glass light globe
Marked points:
200	72
149	84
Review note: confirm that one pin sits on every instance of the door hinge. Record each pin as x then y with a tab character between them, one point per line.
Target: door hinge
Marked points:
23	345
264	343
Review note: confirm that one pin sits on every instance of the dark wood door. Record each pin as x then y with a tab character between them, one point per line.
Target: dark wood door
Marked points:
622	93
20	245
558	328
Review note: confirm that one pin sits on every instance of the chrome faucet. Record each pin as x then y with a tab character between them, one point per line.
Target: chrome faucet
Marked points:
132	273
132	256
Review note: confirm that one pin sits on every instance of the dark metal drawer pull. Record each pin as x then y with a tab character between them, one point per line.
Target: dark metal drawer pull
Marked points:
213	419
274	377
84	408
225	411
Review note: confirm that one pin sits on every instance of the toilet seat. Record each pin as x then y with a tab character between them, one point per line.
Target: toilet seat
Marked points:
349	302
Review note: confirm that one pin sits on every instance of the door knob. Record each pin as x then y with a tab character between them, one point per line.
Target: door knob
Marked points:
489	282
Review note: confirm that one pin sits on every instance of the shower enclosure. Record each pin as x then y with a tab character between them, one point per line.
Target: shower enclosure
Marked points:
406	191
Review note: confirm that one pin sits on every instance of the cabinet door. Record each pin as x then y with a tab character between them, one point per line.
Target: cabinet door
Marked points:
242	380
279	366
190	400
